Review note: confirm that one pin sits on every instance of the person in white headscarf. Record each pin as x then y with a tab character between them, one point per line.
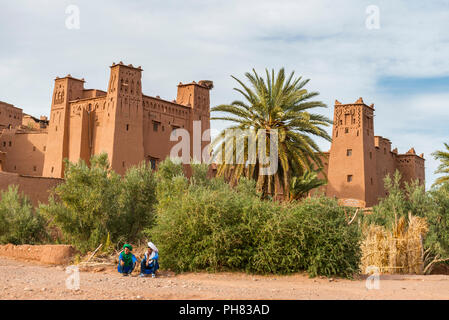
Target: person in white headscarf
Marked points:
150	264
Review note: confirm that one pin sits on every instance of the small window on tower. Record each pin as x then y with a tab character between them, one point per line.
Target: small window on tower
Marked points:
155	126
153	163
349	178
349	152
127	127
34	168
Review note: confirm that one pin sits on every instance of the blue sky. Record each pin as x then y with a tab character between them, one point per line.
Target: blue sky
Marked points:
406	85
402	67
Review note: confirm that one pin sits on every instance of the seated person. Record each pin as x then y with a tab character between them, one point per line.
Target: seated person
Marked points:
126	260
149	263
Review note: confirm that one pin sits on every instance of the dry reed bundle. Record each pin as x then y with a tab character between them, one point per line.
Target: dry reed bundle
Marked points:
399	250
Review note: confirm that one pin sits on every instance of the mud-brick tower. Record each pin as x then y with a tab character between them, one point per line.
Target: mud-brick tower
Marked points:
352	161
66	89
122	132
197	97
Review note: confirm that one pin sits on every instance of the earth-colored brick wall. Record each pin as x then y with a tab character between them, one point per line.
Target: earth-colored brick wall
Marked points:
36	188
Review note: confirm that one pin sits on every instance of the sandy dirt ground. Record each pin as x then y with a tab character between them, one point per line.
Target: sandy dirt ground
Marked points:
31	280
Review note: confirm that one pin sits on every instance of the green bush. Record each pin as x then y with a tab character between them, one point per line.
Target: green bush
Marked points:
402	198
312	235
135	202
94	201
437	240
209	226
19	224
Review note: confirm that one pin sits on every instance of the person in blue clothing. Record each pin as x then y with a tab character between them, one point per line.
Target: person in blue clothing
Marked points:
126	260
149	263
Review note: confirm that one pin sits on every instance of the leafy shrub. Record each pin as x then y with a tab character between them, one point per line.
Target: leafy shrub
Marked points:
402	198
312	235
19	224
209	226
136	202
437	240
199	173
94	201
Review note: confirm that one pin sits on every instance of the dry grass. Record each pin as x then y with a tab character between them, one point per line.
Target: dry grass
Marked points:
399	250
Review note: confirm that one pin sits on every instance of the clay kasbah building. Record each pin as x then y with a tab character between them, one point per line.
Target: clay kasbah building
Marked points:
131	127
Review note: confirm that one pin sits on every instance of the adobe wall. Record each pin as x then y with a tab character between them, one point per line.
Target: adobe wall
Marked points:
348	134
2	160
9	115
196	95
65	90
122	135
359	161
370	162
93	93
411	168
160	118
49	254
36	188
29	123
25	151
386	163
86	124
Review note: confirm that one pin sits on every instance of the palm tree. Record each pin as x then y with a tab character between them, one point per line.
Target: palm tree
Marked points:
277	103
443	168
300	186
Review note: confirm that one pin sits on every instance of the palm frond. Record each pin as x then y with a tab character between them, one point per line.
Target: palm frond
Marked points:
281	103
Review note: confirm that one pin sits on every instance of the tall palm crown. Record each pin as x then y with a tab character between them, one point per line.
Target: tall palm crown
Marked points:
443	168
276	103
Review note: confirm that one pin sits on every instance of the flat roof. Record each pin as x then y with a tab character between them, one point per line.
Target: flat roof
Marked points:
10	105
69	76
171	102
